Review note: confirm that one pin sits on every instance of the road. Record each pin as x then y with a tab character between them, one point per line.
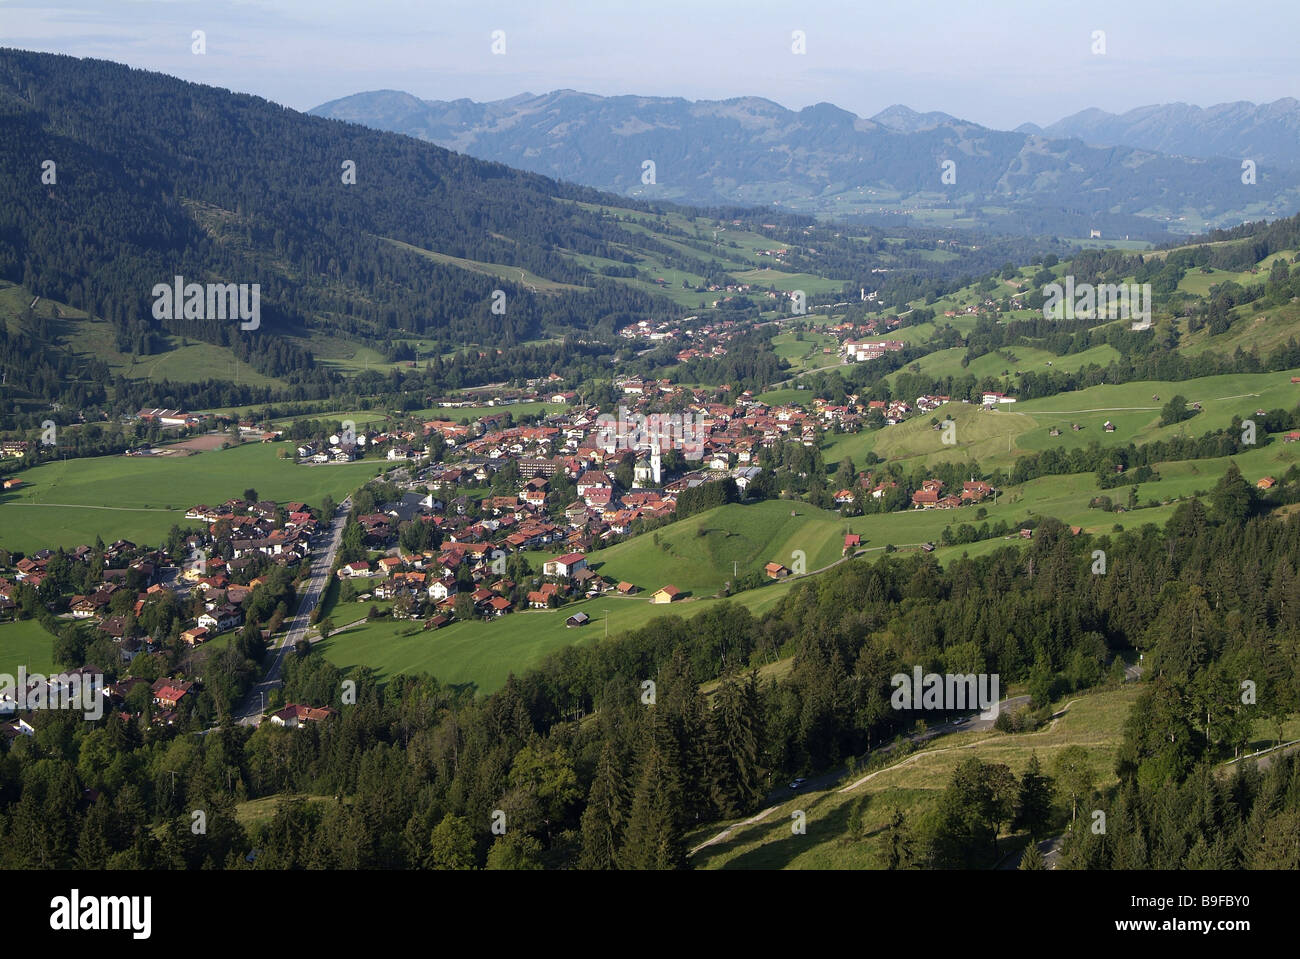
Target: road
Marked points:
249	712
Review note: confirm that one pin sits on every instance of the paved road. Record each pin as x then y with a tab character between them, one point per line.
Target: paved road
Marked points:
249	712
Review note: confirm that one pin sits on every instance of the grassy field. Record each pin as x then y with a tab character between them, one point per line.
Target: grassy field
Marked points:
259	812
88	337
26	643
485	654
1093	721
139	498
995	439
500	271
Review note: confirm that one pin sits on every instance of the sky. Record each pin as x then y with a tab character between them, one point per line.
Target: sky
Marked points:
999	63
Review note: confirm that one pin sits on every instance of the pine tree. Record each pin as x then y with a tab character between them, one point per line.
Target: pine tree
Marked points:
654	832
1032	859
1034	800
735	777
606	814
899	838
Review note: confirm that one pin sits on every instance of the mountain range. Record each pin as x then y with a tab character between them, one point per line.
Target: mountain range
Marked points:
828	161
1268	133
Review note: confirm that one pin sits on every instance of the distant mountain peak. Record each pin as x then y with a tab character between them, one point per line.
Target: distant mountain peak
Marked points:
906	120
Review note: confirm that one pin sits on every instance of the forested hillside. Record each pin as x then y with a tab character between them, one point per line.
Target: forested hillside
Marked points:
589	771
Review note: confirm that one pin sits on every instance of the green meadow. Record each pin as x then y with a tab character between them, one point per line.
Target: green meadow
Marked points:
26	643
1094	721
67	503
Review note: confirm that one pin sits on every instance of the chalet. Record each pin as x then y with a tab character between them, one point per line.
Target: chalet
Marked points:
1266	483
577	619
665	595
925	499
776	571
628	589
224	617
114	626
168	693
195	636
540	598
295	716
592	479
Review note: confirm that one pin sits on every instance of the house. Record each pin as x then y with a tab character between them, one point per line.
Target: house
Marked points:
441	589
1266	483
195	636
925	498
1108	426
852	541
565	565
577	619
295	716
359	568
224	617
540	598
665	595
499	605
168	693
993	399
627	589
776	571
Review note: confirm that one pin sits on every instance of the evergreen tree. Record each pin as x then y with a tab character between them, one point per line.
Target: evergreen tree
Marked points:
605	815
654	833
735	776
1033	800
1032	859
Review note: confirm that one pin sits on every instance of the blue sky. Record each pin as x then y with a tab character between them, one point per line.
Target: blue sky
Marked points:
1000	62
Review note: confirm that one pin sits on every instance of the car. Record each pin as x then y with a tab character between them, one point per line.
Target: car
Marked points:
960	720
797	783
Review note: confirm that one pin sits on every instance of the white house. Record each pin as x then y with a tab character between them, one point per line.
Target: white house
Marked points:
565	565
